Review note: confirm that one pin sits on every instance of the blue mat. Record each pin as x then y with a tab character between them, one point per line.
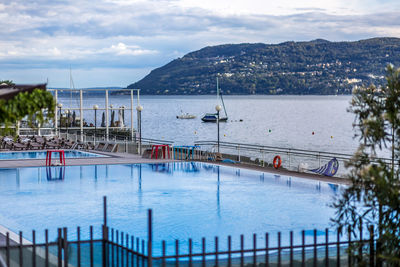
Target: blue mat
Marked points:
329	169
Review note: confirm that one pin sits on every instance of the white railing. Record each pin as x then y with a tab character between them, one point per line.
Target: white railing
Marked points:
292	159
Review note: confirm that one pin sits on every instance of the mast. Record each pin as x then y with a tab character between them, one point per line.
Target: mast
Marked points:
71	86
217	91
219	95
223	104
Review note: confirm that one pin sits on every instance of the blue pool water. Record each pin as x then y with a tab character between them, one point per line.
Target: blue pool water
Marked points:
42	155
188	200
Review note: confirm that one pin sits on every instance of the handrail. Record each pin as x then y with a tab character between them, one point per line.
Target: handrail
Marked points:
258	148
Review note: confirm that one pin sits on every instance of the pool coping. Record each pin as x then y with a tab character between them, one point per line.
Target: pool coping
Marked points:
285	172
127	158
66	150
111	158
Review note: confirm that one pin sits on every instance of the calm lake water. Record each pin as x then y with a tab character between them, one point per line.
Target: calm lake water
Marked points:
283	121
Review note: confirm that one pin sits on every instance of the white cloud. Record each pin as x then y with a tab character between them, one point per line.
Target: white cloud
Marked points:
123	49
286	7
145	34
55	51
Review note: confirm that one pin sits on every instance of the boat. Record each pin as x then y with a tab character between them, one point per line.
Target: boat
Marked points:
185	116
213	117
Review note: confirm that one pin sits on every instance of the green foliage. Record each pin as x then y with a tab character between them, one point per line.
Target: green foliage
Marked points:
374	196
9	82
26	104
315	67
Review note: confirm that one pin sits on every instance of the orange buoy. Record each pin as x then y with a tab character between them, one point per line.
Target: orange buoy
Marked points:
277	162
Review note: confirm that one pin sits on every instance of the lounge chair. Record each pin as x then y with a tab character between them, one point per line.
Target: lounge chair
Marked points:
35	145
90	146
53	143
99	146
19	146
7	142
109	147
79	145
40	140
67	144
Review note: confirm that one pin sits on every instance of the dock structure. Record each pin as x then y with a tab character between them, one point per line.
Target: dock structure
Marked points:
107	109
55	126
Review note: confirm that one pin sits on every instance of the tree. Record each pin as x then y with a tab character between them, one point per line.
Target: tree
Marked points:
374	196
30	104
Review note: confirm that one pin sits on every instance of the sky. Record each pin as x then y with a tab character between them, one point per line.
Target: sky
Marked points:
118	42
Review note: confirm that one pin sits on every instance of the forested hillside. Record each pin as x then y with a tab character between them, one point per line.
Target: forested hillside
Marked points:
315	67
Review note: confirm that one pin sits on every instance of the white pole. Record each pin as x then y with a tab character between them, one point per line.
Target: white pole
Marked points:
81	111
55	113
18	125
131	115
107	115
217	92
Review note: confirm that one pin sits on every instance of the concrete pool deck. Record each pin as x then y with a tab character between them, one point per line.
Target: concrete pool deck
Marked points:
126	158
112	158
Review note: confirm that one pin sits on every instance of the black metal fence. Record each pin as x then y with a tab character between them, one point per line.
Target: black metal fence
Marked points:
117	248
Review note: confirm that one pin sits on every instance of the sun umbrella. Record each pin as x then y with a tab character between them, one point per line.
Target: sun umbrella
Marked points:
112	119
121	118
103	120
73	119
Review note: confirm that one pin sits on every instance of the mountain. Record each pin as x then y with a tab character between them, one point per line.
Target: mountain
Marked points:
314	67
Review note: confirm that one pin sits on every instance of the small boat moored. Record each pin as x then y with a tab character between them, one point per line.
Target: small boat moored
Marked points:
186	116
213	117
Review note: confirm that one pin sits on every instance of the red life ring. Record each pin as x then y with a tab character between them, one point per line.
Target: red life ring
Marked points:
277	162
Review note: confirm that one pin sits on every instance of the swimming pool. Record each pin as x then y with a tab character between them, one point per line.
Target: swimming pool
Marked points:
42	155
188	200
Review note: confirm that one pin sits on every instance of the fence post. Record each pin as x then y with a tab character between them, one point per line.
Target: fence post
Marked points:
371	246
105	232
241	250
150	240
326	247
216	251
59	247
338	248
303	247
163	253
266	249
203	252
315	248
104	210
65	245
279	248
229	250
190	253
78	246
349	258
255	250
8	249
21	258
291	248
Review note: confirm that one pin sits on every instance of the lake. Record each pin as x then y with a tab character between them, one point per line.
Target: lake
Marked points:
282	121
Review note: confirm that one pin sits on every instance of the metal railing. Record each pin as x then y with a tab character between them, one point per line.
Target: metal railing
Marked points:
116	248
292	159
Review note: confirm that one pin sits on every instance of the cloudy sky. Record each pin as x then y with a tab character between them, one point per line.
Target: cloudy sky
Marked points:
117	42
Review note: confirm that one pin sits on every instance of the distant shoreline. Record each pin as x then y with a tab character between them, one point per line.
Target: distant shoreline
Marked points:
101	90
